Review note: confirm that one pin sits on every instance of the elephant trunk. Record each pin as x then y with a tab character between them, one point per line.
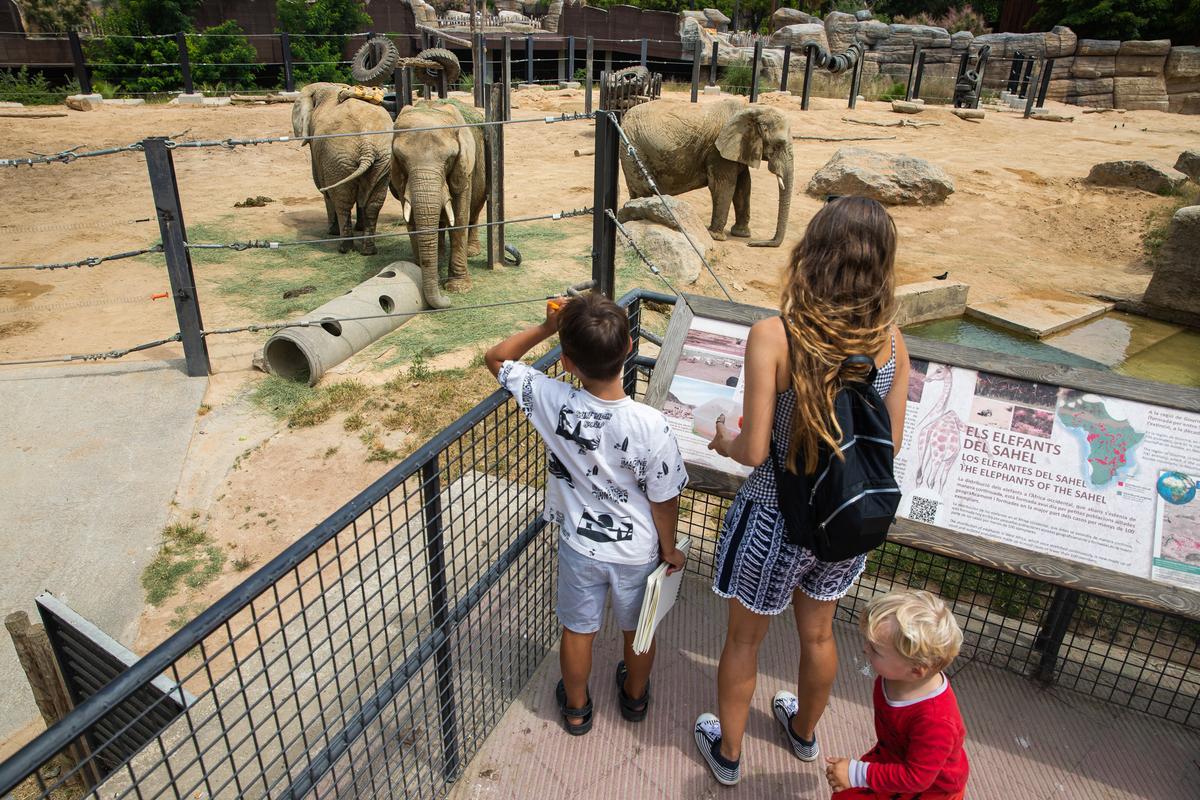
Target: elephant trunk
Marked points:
781	165
427	196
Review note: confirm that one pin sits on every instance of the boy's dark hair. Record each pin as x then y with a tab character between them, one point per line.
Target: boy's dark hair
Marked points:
594	332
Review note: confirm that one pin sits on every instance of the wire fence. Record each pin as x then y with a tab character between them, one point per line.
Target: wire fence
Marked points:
373	656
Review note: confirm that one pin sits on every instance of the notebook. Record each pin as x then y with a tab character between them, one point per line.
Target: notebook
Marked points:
661	591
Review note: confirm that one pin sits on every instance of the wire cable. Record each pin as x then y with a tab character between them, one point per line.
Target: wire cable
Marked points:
67	156
90	261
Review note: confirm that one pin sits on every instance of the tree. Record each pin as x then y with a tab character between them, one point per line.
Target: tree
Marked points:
223	55
1177	20
324	24
49	16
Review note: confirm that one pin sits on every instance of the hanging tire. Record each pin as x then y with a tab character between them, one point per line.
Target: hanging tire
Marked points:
375	61
449	63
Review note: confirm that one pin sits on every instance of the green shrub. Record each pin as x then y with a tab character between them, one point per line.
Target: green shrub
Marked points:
54	15
19	86
953	20
736	77
230	54
324	24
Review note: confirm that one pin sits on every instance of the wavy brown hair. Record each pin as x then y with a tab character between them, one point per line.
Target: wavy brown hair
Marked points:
839	300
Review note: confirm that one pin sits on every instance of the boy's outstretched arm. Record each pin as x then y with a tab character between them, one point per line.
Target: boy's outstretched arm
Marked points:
517	345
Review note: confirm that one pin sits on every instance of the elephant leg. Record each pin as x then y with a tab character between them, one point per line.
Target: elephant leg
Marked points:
473	246
346	222
332	216
369	207
722	181
459	279
741	204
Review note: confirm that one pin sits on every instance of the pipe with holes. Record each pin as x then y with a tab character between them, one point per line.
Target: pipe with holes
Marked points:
304	354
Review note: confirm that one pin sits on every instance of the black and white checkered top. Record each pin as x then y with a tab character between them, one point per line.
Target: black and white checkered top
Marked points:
760	486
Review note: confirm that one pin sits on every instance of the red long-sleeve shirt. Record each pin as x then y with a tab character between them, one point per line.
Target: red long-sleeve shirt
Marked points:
920	747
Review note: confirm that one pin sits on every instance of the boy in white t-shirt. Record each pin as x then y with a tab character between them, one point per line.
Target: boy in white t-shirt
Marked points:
615	474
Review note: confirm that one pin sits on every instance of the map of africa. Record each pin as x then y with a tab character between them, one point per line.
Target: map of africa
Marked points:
1108	443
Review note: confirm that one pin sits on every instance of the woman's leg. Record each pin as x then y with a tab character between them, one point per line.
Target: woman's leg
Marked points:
818	661
737	675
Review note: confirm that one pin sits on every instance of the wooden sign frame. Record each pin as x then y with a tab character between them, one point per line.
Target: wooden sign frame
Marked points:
1022	561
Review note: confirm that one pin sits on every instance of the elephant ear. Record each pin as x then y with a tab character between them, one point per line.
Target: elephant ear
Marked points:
740	140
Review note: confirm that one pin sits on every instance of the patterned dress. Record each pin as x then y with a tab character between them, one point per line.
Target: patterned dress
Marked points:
755	561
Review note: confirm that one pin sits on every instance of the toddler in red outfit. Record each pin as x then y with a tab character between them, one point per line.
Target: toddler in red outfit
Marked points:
910	638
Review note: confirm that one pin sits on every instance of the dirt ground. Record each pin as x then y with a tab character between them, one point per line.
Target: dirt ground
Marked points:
1021	223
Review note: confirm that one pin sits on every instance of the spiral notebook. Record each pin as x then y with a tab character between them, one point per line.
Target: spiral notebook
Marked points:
661	591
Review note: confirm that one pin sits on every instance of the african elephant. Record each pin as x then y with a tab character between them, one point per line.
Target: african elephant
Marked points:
439	178
348	170
686	146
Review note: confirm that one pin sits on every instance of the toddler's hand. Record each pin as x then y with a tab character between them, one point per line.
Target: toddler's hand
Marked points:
675	558
837	772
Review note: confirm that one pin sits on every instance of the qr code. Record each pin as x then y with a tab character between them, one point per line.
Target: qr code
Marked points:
923	510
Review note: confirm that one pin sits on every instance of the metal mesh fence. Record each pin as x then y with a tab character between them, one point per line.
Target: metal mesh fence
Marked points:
374	656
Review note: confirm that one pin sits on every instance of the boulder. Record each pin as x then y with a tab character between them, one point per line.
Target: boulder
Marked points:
716	19
1182	72
896	51
840	29
906	107
1176	280
1148	93
1149	176
863	14
1182	63
1151	47
1055	43
960	41
667	248
1079	87
784	17
890	179
1189	164
797	35
1094	66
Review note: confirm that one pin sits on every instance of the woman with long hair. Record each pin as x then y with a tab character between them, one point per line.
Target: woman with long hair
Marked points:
838	300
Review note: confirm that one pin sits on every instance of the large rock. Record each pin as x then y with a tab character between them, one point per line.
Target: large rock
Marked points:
840	28
890	179
784	17
797	35
1182	72
716	19
1146	93
667	249
85	102
1189	164
1176	281
1150	176
1080	87
1137	59
1055	43
1183	63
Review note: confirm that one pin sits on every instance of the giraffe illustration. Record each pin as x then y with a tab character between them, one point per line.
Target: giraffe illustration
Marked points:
939	436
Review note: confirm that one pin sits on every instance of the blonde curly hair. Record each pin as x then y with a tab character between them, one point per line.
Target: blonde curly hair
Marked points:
917	624
839	300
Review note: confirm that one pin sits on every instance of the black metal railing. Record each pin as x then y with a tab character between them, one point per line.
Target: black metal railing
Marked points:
373	656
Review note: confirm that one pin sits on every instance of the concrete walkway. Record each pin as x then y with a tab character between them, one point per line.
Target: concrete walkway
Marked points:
91	456
1024	742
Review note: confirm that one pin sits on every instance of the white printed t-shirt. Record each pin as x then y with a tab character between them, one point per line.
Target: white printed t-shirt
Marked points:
607	459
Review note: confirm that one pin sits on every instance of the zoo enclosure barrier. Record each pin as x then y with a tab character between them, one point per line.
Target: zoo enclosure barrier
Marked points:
374	656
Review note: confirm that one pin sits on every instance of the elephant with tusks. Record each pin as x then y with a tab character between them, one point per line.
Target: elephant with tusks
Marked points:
350	171
686	146
440	180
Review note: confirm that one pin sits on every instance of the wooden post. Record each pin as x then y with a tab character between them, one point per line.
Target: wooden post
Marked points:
570	58
608	61
562	62
495	198
587	81
697	54
754	65
49	692
787	60
529	59
184	63
712	67
645	48
81	71
285	47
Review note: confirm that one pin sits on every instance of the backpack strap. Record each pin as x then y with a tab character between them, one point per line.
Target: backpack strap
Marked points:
861	359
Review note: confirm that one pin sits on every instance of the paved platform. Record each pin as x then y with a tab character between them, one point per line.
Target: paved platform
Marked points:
91	456
1025	742
1039	315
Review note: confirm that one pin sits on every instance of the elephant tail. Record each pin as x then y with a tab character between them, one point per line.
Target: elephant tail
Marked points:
364	164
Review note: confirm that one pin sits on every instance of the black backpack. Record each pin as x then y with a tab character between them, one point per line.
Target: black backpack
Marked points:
844	509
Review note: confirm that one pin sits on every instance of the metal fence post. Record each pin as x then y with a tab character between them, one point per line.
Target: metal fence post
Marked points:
712	65
561	62
980	66
1047	73
1014	71
529	59
787	61
81	71
570	58
587	94
184	63
806	84
479	70
634	312
916	89
1023	89
179	262
435	559
1049	639
404	91
506	77
608	61
645	49
754	65
856	74
285	47
697	54
604	231
1030	89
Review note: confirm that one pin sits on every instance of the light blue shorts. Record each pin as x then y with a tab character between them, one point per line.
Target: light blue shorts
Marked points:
584	584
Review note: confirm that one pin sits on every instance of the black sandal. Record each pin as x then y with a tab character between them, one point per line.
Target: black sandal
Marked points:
585	713
632	709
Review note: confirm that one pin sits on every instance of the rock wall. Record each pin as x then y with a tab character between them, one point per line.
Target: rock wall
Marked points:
1087	72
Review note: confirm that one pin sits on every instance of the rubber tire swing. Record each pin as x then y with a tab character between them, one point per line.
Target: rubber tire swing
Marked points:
375	61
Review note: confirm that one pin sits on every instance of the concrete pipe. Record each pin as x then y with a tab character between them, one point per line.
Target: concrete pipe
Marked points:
305	353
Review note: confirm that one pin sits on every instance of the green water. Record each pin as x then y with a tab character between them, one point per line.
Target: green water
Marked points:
1130	345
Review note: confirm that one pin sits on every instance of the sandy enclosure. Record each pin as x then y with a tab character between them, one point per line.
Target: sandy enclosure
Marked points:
1020	224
